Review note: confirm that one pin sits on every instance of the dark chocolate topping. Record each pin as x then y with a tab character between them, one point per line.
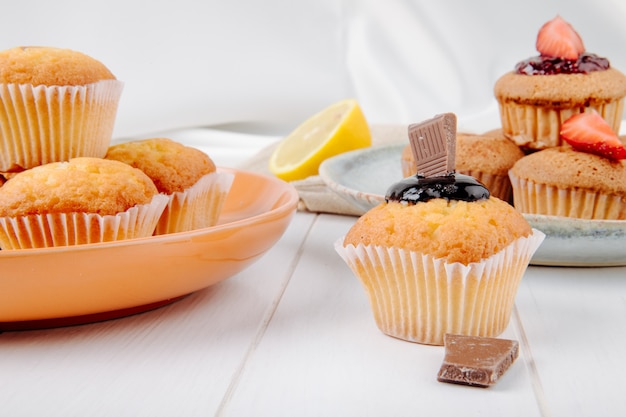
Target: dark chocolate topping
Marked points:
545	65
417	189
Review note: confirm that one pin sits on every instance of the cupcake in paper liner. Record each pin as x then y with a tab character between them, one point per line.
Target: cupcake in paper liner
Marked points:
84	200
585	178
440	255
188	176
543	91
196	207
565	182
57	104
440	266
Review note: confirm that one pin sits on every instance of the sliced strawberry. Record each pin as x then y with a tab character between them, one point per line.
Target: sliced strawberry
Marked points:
589	132
558	39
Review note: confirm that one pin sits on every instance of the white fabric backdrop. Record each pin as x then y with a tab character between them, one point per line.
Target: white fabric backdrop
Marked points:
411	59
275	62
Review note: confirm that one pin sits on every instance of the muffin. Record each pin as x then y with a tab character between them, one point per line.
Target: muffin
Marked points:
439	256
84	200
543	91
57	104
587	183
188	176
487	157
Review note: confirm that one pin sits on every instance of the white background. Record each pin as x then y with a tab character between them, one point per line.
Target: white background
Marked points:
270	64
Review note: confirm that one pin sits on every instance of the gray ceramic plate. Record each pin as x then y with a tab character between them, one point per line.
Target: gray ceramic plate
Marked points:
363	176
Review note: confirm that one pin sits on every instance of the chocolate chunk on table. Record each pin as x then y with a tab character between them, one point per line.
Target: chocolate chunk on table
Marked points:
476	361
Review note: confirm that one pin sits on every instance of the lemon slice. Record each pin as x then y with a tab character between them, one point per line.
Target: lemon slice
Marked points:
338	128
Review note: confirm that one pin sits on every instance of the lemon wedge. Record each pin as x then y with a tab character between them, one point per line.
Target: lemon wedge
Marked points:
339	128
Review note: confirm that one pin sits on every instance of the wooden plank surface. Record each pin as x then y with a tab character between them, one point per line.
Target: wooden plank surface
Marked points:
575	322
175	361
294	335
322	355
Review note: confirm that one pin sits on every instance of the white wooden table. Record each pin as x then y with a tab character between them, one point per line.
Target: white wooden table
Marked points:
293	335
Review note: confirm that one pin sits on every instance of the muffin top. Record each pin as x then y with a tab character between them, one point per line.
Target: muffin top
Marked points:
456	231
564	167
561	90
39	65
84	185
490	153
172	166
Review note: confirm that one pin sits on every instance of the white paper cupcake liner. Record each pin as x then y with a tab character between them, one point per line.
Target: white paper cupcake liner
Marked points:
533	198
68	229
537	127
498	185
198	206
42	124
419	298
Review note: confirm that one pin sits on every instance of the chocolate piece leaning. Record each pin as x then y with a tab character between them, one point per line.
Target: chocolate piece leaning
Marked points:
476	361
433	144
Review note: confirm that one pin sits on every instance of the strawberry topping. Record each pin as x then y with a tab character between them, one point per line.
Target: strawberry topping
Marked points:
557	38
589	132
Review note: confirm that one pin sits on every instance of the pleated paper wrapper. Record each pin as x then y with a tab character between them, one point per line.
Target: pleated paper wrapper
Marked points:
534	198
68	229
197	207
498	185
419	298
537	127
42	124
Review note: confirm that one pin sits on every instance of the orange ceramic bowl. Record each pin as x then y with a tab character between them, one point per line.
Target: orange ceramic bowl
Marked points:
71	285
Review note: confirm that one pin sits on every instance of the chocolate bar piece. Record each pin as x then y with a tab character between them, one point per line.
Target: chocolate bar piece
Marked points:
433	143
476	361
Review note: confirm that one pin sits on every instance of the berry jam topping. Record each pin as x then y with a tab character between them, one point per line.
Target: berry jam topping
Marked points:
453	186
546	65
561	51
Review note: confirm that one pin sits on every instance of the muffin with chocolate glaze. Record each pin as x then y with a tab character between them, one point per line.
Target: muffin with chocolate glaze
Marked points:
57	104
188	176
84	200
486	157
544	91
440	255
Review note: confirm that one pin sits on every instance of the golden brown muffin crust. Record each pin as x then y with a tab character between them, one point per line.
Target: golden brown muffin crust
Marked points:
488	153
172	166
561	90
457	231
84	185
50	66
566	168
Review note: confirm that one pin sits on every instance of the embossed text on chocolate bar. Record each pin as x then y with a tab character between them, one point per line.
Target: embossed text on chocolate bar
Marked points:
433	145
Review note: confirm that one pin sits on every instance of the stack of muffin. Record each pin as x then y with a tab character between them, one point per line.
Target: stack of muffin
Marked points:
61	181
550	104
529	162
